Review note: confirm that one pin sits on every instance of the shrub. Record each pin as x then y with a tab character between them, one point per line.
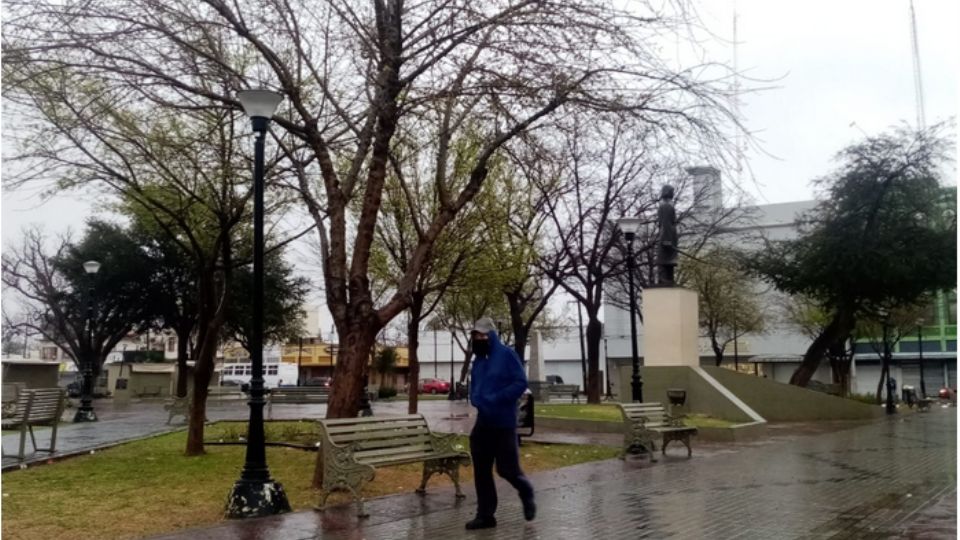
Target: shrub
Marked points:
386	392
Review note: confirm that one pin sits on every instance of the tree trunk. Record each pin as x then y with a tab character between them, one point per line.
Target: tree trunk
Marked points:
352	368
183	342
717	351
840	326
202	373
520	330
413	345
465	370
884	373
594	336
212	293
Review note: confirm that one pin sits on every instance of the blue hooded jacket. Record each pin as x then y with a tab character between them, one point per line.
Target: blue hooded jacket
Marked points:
496	383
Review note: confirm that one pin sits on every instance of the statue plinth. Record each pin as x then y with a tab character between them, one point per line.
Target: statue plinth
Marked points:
671	328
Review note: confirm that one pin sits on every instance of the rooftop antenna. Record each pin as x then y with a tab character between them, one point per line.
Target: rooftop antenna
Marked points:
917	75
738	136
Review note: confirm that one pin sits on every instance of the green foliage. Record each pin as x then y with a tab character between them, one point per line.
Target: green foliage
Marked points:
885	233
386	392
729	305
283	295
385	361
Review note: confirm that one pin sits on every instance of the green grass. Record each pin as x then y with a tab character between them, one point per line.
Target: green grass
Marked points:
611	413
602	412
149	487
704	421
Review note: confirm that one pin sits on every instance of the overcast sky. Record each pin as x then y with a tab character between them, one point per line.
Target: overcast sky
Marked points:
834	63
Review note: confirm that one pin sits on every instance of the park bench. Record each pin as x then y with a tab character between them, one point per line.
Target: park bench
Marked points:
39	407
571	391
351	449
297	394
645	421
10	393
180	406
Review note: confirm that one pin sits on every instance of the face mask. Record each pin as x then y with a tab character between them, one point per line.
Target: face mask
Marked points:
481	347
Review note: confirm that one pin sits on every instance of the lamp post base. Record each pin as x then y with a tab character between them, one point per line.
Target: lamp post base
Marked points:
256	499
85	415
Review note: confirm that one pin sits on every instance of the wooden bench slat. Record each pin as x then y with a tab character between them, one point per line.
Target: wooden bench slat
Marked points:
394	451
372	419
392	444
373	427
342	438
390	461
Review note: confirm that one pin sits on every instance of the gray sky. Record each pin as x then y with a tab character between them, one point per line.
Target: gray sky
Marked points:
831	63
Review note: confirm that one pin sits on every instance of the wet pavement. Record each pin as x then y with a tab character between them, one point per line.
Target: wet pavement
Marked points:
894	478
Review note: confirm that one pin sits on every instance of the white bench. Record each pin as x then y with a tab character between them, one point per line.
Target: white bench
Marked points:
39	407
351	449
646	421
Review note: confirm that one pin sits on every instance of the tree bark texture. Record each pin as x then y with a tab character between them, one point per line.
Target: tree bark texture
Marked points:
413	342
594	336
840	326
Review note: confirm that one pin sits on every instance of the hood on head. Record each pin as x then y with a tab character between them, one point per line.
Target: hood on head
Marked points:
485	325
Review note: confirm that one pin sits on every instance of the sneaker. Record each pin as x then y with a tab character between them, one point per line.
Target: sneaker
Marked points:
529	509
481	523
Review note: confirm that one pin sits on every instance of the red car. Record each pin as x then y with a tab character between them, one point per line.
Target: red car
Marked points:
433	386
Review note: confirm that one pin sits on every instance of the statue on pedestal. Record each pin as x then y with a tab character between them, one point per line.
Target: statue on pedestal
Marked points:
667	252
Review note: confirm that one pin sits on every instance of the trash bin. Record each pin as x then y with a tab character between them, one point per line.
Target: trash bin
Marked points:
909	395
525	416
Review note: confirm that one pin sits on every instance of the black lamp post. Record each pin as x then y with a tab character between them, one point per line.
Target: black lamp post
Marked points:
923	383
453	390
86	413
887	356
255	494
629	227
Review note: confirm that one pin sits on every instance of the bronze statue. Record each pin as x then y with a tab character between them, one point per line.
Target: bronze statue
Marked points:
667	253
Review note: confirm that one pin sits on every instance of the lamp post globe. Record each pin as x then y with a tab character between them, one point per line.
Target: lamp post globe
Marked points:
85	412
256	494
629	227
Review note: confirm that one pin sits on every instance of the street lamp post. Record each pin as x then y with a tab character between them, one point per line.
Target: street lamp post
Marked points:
453	391
629	227
255	494
887	360
86	413
583	350
923	385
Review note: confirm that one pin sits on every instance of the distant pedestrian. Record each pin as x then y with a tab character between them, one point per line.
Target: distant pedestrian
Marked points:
497	382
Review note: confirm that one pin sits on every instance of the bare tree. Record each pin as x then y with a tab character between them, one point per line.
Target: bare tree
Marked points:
354	75
84	315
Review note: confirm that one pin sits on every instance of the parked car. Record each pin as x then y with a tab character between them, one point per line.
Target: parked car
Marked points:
319	381
433	386
554	379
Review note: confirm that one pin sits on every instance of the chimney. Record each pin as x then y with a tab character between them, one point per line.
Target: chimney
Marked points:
707	188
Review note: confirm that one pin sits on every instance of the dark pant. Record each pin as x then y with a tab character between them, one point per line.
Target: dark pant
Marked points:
489	445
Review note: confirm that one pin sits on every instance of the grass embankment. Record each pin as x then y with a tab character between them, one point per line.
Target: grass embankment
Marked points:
605	412
148	487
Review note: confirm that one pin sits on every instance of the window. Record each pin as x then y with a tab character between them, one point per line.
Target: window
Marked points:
271	369
952	307
48	353
171	344
248	369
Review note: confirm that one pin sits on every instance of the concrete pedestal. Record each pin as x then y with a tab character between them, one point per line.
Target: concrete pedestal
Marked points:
671	327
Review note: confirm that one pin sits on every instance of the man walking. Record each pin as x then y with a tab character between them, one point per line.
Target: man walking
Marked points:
496	383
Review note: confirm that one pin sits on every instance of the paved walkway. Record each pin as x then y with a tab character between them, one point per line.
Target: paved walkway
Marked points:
890	479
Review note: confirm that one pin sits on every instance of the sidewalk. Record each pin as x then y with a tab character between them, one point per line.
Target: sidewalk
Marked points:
888	479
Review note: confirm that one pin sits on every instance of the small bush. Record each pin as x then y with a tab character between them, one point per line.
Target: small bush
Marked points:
386	392
870	399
